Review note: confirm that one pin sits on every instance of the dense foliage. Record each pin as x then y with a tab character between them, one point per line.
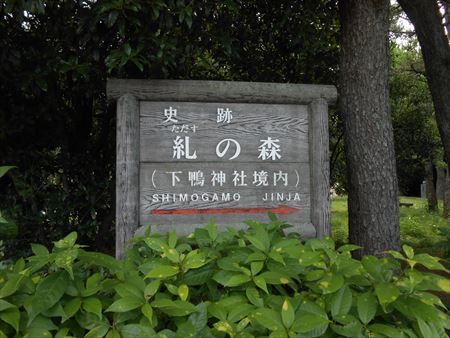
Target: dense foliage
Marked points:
254	283
56	126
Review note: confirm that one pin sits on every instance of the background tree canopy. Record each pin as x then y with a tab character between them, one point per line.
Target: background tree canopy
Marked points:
58	129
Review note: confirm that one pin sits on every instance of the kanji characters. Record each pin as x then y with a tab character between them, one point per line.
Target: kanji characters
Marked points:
269	149
181	148
224	115
218	177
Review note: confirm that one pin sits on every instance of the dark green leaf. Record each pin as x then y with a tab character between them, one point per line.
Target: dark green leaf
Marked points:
48	292
367	307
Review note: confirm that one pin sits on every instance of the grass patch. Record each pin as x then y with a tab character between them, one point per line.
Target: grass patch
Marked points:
422	230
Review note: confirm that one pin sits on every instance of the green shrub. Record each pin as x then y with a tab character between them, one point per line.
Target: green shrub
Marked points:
255	283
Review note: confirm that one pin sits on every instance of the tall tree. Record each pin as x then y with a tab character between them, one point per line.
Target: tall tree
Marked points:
428	23
364	100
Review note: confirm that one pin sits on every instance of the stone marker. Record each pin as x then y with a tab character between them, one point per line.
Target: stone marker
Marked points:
192	151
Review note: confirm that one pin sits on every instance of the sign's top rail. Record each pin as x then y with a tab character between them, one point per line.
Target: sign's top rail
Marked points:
220	91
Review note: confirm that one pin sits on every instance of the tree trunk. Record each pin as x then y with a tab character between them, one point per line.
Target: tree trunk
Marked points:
364	98
431	188
447	193
427	21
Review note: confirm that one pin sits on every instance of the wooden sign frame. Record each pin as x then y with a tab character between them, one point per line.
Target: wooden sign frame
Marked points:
129	93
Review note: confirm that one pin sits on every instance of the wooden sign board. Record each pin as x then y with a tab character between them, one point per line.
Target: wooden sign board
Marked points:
192	151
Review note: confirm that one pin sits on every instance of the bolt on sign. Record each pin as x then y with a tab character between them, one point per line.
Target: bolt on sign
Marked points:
192	151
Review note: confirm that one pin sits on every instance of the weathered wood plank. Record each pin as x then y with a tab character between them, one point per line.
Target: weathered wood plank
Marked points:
127	171
250	124
156	181
320	167
300	225
220	91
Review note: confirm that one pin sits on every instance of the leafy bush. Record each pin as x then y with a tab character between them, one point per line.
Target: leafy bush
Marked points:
254	283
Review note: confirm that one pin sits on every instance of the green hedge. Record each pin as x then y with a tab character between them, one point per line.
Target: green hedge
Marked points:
254	283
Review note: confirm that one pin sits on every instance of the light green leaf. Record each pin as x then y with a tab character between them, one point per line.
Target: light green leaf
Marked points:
409	252
386	293
224	326
172	239
147	311
124	305
212	230
256	267
163	271
93	305
183	291
11	285
425	329
348	248
4	169
12	317
194	260
236	280
152	288
367	307
287	314
430	262
98	331
331	282
261	283
39	249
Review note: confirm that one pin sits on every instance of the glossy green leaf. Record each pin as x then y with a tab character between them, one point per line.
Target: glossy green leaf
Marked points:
409	252
183	291
163	271
11	285
4	305
268	318
71	308
93	305
386	330
254	297
386	293
127	290
124	304
287	313
12	317
136	330
48	292
224	326
261	283
174	308
341	301
147	311
4	169
367	307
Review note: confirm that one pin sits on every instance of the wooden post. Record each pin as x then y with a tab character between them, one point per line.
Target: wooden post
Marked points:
127	171
319	167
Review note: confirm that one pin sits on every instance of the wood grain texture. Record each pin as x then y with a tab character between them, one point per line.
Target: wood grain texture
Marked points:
220	91
320	167
305	229
250	196
251	123
127	171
